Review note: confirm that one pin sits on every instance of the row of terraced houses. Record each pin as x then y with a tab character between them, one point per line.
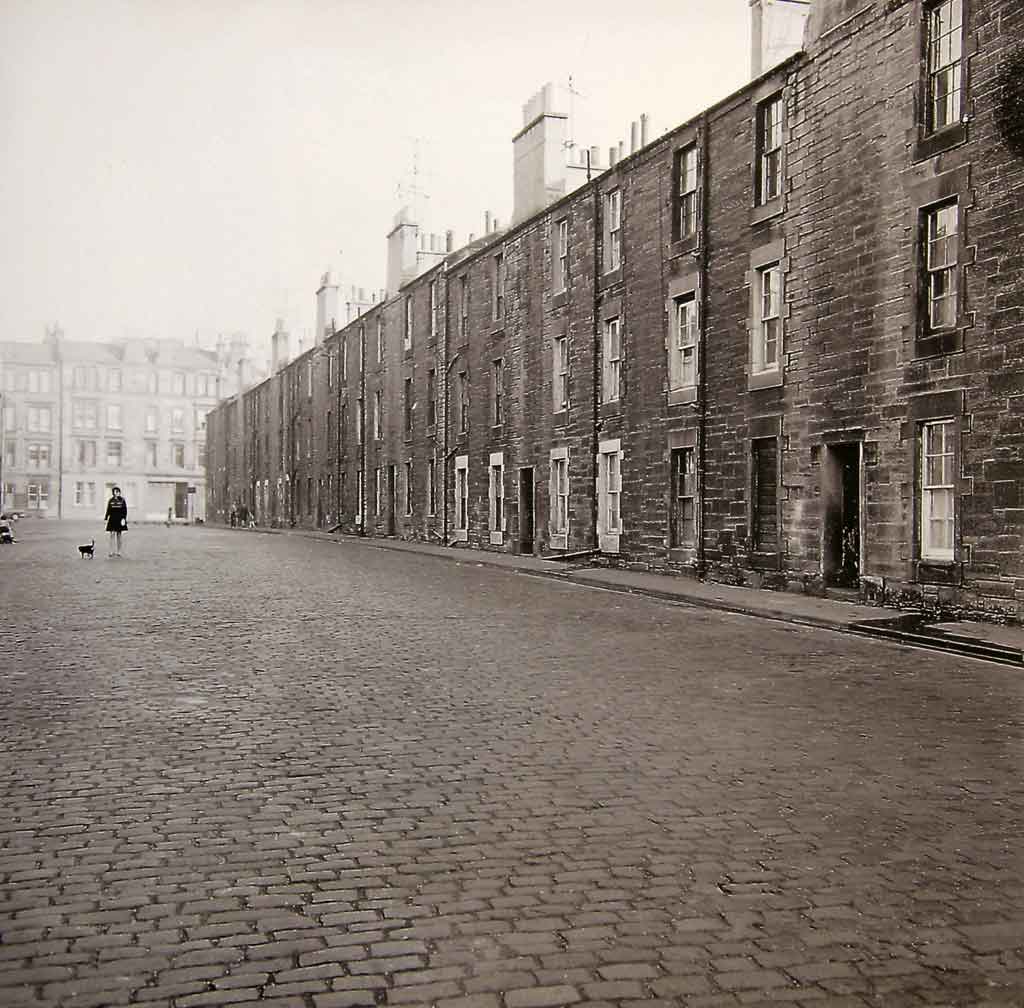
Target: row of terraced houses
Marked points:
781	344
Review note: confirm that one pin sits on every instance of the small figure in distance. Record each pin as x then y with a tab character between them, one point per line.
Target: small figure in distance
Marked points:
117	520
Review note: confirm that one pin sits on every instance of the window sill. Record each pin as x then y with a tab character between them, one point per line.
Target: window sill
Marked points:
558	540
935	344
611	277
765	211
764	560
689	245
681	554
681	396
560	417
560	299
497	328
610	409
497	538
930	144
939	572
765	379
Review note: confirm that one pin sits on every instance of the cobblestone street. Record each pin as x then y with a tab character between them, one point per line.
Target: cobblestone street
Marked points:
240	768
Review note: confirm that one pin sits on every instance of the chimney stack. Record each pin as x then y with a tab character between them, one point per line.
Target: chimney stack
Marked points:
278	347
776	32
326	308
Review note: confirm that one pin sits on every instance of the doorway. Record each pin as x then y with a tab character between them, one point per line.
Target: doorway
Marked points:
841	540
526	508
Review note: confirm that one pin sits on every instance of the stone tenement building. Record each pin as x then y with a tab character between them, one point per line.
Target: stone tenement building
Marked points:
80	417
781	344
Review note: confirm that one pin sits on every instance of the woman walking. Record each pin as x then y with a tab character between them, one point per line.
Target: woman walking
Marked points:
117	520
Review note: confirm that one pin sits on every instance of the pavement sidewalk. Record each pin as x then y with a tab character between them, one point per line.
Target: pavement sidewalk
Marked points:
1003	643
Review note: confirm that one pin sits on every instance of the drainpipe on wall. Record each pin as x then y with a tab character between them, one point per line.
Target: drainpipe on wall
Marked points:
445	374
702	386
362	427
60	429
596	378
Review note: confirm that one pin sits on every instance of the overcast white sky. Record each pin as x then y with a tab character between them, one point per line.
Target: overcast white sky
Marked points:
194	166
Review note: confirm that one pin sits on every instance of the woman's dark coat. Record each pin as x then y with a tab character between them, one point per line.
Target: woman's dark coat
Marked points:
117	514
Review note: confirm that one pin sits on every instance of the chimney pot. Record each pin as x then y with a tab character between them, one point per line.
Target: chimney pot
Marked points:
643	130
633	136
449	240
487	222
612	156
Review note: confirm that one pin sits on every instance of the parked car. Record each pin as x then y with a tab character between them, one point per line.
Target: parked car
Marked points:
10	516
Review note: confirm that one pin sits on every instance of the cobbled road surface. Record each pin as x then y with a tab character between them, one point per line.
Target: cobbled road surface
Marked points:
241	769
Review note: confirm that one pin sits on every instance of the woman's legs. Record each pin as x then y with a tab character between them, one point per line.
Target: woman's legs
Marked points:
118	534
111	551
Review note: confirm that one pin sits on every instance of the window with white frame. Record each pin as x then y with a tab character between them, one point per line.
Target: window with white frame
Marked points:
561	255
464	307
613	230
378	415
558	495
938	489
330	369
609	477
560	372
407	340
151	459
945	54
378	491
10	453
178	455
38	496
769	149
360	494
115	454
177	384
309	378
497	392
408	488
38	456
40	419
768	335
381	339
87	453
177	421
942	239
114	416
431	486
343	362
496	497
462	495
114	380
682	362
407	405
686	194
433	310
79	493
498	287
152	417
611	371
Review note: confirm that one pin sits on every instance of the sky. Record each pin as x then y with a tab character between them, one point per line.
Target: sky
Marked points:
192	168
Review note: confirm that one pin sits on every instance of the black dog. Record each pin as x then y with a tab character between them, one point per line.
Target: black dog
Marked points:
86	551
